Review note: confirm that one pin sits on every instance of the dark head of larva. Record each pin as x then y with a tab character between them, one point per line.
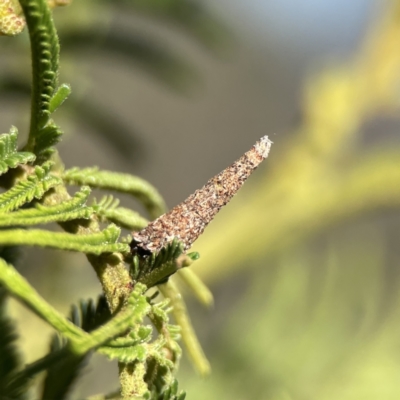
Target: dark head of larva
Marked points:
137	249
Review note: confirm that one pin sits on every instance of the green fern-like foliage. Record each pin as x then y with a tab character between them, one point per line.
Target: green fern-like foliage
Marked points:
105	241
36	191
46	138
45	59
46	95
75	208
171	393
34	186
9	156
158	267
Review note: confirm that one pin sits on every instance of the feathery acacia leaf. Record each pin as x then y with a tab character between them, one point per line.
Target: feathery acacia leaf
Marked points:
160	318
107	209
135	347
69	210
9	155
70	354
90	315
45	50
136	310
94	243
34	186
158	267
128	354
119	182
45	141
124	217
160	369
46	95
171	393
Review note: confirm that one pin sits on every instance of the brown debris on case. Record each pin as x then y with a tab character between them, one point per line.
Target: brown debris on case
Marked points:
188	220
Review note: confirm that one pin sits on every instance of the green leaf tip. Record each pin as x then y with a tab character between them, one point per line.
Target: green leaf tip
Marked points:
194	255
74	208
62	93
9	155
45	54
170	392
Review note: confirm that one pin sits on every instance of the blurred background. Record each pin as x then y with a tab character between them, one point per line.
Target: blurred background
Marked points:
303	263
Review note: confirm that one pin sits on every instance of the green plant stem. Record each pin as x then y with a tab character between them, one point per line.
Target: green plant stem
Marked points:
179	311
198	288
131	377
21	289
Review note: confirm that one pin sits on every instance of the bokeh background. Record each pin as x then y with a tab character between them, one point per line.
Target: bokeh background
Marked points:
304	262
